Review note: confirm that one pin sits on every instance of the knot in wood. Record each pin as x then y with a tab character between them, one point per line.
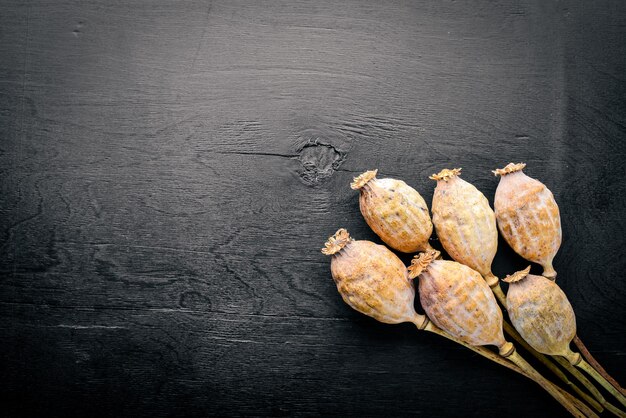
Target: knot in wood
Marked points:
319	162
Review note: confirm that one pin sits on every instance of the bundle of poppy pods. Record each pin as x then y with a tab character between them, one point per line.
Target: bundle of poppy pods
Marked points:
461	298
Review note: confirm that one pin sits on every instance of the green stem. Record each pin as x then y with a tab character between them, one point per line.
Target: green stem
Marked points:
594	363
615	411
592	388
605	384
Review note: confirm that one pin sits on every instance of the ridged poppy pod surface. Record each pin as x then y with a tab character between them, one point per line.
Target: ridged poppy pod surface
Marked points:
528	216
465	223
466	227
541	313
395	211
372	279
457	300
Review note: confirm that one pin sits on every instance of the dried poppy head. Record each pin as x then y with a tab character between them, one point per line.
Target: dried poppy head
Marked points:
396	212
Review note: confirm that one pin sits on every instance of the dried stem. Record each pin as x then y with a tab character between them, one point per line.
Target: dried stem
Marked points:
508	328
594	363
480	350
578	403
590	386
549	387
615	411
569	402
605	384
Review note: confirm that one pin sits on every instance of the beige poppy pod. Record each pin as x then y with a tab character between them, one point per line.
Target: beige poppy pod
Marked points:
528	216
372	280
396	212
465	223
457	300
541	313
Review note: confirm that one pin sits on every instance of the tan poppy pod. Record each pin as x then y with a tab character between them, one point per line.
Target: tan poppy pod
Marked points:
457	300
396	212
372	280
542	314
466	227
465	223
528	216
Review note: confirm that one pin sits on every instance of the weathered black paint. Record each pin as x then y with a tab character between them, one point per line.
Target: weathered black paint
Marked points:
170	170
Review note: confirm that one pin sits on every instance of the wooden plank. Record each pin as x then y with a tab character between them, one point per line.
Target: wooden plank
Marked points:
169	172
185	361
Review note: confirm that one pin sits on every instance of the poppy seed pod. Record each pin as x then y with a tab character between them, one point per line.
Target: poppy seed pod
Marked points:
372	280
541	313
466	227
457	300
528	217
465	223
396	212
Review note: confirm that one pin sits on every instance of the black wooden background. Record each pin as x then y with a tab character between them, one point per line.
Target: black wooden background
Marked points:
170	170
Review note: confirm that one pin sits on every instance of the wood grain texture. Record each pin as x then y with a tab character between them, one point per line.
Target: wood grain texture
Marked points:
170	170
